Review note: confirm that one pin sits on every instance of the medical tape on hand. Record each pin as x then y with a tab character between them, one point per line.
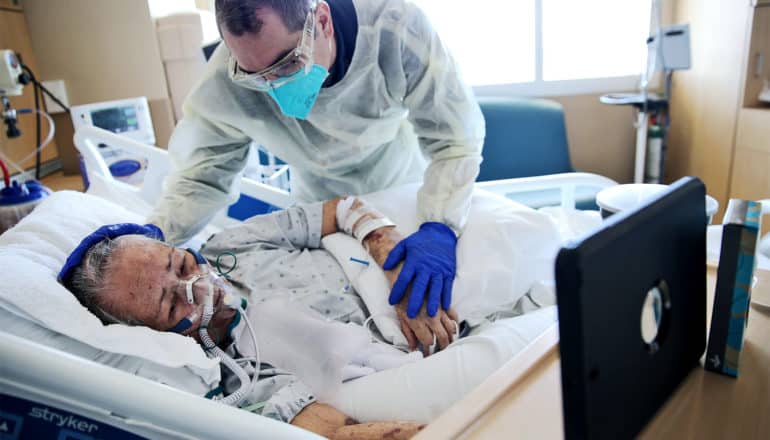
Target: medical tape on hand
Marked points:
344	208
354	216
362	220
370	225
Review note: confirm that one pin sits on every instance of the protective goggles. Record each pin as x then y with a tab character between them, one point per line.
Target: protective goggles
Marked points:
282	71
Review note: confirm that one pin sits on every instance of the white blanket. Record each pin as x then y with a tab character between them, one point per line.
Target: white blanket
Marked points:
421	391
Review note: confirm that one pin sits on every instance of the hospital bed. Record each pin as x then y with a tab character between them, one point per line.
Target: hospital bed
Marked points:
52	380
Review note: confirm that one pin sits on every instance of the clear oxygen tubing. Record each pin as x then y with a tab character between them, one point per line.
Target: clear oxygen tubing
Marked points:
232	301
46	141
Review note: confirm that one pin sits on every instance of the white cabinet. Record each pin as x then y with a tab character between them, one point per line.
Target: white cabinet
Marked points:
721	130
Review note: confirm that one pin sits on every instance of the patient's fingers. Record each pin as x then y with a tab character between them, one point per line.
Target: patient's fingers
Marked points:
442	336
450	325
453	314
408	333
423	333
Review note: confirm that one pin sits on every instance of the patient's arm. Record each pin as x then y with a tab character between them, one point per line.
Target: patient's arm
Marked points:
378	430
327	421
329	224
379	243
321	419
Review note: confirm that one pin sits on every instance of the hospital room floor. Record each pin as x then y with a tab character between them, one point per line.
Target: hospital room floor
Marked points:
58	181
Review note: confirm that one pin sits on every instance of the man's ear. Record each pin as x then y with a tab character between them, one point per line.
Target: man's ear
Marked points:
324	19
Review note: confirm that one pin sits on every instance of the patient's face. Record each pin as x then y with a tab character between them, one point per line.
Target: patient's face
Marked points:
146	281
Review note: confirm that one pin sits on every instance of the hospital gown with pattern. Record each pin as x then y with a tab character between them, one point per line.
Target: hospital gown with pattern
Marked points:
279	254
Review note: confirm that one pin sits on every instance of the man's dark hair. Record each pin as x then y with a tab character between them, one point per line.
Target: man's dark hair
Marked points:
239	16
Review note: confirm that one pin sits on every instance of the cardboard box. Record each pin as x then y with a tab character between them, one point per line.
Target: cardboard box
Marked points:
732	298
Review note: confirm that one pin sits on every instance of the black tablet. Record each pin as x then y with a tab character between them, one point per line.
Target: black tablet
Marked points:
632	313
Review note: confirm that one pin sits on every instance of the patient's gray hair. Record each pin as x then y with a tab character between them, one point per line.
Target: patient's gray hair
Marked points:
240	16
88	281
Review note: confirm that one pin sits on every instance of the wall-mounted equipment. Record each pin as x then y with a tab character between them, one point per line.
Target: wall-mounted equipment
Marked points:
127	117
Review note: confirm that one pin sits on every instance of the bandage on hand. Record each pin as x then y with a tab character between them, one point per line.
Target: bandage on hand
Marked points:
359	219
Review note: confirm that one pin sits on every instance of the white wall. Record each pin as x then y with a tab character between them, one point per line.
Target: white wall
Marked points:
159	8
103	49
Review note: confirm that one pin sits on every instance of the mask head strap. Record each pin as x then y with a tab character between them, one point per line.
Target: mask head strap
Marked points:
198	257
105	232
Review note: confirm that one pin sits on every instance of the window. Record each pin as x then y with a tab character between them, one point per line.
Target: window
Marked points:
545	46
594	39
492	40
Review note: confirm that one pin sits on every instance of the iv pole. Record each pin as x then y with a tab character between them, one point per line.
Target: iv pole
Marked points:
667	50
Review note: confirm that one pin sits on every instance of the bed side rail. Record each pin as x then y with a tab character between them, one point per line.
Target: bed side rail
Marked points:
47	376
566	183
88	138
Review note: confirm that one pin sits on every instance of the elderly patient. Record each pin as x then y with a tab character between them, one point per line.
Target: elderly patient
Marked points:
126	274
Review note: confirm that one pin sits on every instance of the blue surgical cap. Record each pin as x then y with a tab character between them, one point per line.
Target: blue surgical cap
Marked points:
103	233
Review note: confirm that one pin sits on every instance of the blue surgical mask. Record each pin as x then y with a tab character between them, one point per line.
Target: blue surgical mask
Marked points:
296	98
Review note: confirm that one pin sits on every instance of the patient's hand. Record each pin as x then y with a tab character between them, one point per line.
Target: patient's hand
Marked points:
423	327
329	422
322	419
377	431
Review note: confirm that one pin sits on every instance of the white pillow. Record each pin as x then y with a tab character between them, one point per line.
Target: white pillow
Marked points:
35	306
503	251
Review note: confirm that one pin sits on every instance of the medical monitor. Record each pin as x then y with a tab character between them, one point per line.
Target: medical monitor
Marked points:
632	313
126	117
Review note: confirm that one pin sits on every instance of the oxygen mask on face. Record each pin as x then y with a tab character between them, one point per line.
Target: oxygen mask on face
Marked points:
205	291
208	291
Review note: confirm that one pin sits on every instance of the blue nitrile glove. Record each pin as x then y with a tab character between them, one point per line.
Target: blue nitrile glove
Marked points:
430	259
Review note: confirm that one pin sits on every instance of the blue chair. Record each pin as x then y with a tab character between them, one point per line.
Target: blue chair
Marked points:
525	138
